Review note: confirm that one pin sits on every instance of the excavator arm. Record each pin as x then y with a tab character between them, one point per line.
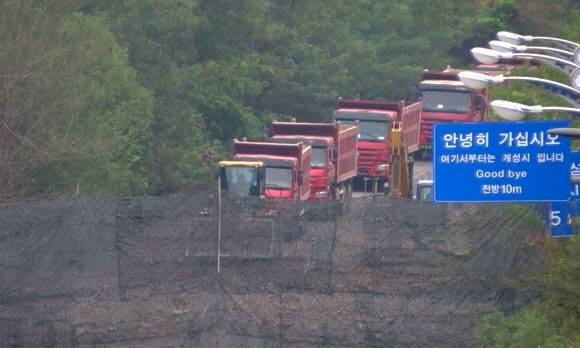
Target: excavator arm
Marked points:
401	165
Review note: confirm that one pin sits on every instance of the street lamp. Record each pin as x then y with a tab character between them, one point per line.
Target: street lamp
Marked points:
517	39
566	132
502	46
488	56
516	112
478	81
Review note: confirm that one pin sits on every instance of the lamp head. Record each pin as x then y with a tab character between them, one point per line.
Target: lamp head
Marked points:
513	38
487	56
513	111
477	80
501	46
575	79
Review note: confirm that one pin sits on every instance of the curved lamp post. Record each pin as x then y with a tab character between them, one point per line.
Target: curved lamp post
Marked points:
478	81
502	46
517	39
488	56
516	112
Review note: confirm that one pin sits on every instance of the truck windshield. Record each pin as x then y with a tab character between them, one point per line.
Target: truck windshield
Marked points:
370	130
446	101
278	177
318	159
242	180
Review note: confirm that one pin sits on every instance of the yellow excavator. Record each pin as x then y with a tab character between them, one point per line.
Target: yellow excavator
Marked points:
401	165
404	141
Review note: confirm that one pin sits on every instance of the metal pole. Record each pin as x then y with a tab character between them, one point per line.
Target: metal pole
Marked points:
219	231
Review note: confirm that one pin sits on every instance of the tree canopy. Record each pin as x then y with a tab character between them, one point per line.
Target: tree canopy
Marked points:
127	96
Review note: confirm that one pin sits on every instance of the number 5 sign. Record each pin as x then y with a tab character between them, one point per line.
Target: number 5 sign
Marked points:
555	219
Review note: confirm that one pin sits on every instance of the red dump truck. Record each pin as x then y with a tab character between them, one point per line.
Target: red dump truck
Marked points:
333	163
376	120
277	170
446	99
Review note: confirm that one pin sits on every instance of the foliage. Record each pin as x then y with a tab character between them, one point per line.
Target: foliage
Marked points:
71	107
170	80
553	322
525	215
542	17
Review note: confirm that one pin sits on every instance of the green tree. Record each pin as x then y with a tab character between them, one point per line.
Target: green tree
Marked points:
162	40
223	69
71	108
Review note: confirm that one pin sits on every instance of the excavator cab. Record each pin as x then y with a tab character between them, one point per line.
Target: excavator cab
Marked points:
241	177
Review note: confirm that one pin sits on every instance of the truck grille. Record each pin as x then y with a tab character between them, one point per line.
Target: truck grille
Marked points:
427	128
368	155
368	159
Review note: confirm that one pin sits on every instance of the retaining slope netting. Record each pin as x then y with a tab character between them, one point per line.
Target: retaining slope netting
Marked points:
142	271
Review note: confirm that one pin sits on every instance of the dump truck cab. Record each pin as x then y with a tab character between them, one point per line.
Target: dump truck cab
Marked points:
286	172
333	161
446	99
281	175
322	163
375	120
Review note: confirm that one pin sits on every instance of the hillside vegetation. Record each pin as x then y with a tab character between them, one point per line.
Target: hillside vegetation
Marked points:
125	97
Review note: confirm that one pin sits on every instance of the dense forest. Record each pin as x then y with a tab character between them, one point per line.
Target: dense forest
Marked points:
125	97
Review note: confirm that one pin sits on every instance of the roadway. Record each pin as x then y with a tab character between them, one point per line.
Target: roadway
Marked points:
422	170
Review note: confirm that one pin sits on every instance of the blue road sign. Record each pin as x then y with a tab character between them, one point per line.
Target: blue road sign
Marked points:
561	214
500	162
